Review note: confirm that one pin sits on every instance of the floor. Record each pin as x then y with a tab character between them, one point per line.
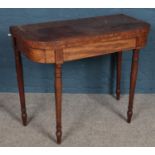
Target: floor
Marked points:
88	120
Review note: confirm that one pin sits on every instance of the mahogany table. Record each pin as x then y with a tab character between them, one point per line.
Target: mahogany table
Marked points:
61	41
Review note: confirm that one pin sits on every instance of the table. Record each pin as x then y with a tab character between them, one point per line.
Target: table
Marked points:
61	41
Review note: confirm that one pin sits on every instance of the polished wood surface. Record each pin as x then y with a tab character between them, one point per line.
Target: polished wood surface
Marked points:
61	41
19	70
80	38
58	98
118	79
133	76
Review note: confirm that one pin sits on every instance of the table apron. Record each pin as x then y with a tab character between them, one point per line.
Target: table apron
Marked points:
98	48
78	52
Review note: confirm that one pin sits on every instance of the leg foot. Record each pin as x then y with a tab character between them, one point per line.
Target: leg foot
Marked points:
129	114
58	135
24	119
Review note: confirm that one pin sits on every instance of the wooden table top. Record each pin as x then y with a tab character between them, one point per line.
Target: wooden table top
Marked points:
75	36
61	31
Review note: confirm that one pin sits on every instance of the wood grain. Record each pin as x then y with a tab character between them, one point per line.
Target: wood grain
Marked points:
98	48
80	38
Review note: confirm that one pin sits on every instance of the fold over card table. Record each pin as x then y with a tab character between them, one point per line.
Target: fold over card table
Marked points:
61	41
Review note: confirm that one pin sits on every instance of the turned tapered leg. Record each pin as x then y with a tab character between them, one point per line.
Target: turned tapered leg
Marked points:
58	99
133	77
19	71
119	64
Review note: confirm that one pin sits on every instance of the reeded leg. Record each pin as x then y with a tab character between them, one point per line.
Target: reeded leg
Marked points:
19	71
133	77
119	65
58	99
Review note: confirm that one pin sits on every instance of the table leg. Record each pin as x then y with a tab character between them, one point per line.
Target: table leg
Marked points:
133	77
119	65
58	99
19	71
